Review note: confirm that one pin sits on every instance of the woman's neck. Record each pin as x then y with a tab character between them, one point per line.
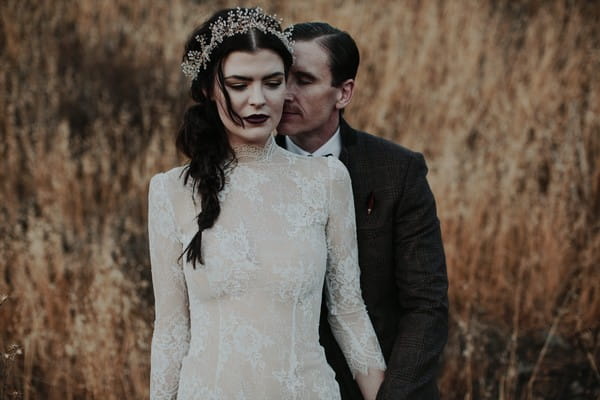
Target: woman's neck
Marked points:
248	152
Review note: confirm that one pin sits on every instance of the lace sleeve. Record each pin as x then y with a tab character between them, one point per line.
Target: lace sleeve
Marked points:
347	316
170	340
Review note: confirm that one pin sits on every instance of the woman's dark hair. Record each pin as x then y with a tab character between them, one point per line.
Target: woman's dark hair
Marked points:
202	136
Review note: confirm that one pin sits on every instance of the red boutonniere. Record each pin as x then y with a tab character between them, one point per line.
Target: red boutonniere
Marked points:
370	203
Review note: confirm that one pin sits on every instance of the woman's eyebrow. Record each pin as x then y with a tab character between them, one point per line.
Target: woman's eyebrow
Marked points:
274	75
246	78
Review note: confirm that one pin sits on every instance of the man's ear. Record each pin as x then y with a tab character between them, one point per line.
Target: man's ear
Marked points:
346	89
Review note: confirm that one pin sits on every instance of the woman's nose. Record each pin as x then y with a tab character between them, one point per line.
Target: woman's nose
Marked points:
257	96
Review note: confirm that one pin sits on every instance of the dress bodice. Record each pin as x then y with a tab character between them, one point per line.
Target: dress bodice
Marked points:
244	324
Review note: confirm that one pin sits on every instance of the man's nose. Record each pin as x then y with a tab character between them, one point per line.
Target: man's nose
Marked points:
290	91
291	85
289	95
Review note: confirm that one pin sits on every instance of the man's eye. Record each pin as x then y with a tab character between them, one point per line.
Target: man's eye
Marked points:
304	81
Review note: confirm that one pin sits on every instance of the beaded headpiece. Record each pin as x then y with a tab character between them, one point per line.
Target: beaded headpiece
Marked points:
238	21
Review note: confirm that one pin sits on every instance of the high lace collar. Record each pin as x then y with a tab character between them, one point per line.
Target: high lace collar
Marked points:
248	153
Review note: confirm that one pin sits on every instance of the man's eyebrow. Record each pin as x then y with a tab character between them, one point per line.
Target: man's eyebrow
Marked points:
305	75
246	78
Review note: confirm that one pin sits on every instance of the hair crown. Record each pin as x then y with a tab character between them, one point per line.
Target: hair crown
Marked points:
239	21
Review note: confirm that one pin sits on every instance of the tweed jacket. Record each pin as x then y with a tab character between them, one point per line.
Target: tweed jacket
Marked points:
403	269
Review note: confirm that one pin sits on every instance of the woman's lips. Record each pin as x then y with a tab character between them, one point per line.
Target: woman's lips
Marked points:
256	118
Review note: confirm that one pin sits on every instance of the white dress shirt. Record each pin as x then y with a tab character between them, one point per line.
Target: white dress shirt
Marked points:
333	146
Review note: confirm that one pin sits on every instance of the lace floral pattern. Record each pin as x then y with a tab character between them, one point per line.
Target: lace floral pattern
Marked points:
231	272
171	326
244	325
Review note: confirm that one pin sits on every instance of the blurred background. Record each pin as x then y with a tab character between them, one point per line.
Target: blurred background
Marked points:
502	97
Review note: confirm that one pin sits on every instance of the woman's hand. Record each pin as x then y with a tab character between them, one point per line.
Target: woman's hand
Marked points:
369	384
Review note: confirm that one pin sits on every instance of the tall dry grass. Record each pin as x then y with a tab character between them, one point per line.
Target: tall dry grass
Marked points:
503	97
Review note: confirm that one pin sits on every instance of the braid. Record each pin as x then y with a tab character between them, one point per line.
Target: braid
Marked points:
202	138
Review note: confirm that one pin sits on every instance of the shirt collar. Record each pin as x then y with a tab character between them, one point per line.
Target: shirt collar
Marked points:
332	147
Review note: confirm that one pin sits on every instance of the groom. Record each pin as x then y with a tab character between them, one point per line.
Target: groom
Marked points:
403	269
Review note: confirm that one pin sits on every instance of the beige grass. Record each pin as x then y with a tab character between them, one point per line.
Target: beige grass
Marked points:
503	97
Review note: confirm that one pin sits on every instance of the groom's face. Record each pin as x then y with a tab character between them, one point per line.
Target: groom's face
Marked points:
311	99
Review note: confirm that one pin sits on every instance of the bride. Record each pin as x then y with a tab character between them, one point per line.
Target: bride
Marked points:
244	237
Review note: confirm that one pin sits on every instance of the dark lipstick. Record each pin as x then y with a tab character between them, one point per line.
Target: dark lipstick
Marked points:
256	118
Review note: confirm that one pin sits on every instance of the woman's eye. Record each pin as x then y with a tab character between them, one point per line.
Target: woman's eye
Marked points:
237	86
274	84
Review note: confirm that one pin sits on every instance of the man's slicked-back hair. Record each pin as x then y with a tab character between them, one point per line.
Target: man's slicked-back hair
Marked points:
343	52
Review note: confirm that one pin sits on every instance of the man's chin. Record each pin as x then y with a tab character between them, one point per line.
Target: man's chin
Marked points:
286	129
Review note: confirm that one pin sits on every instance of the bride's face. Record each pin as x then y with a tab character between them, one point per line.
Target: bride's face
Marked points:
255	83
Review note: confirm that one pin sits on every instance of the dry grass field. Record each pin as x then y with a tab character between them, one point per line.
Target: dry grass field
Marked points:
502	97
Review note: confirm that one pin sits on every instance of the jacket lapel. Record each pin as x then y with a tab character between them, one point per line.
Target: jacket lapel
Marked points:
280	140
353	157
348	153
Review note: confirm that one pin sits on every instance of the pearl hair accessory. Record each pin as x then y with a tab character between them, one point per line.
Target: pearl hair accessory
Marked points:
238	21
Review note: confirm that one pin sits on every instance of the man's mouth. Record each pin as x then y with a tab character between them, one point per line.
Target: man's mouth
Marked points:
289	113
256	119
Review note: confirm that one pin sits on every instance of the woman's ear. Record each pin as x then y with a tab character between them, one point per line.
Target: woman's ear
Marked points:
346	90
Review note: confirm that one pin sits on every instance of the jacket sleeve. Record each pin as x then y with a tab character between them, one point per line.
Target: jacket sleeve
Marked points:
170	340
347	314
422	285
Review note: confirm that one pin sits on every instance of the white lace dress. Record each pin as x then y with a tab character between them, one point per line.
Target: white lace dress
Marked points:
244	325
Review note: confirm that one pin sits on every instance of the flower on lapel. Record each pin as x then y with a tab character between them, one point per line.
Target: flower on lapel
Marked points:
370	203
